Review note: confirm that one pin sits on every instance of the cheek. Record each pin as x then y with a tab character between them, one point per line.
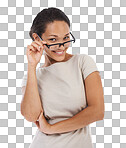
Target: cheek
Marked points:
68	45
46	49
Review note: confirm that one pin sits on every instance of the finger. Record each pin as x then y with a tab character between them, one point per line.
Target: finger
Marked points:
37	43
36	46
32	48
29	50
40	42
43	42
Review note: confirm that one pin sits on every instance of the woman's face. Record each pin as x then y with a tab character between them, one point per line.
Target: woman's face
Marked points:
56	33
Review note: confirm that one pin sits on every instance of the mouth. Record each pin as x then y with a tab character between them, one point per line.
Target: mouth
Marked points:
59	52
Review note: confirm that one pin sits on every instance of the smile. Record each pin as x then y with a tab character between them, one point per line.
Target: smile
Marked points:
59	53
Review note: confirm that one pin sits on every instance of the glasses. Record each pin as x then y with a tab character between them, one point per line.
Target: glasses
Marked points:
56	46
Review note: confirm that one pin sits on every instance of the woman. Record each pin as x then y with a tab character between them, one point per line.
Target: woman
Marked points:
65	95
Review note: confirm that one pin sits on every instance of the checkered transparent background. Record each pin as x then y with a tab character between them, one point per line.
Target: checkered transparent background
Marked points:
99	27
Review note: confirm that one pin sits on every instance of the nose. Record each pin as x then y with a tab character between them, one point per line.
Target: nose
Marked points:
61	44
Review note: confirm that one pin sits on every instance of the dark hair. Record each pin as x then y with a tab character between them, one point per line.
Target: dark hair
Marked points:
47	15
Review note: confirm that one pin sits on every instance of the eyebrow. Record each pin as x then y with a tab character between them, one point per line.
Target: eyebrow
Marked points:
56	35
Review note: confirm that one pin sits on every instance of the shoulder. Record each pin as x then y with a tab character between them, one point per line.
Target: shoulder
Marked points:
85	59
84	56
87	64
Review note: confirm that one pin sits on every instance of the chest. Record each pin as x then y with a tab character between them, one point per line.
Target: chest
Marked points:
62	91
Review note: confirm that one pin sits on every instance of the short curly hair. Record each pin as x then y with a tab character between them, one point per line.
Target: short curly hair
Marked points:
47	15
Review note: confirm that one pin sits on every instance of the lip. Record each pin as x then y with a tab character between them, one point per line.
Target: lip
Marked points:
59	51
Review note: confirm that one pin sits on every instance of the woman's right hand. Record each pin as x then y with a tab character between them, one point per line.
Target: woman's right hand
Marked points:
34	53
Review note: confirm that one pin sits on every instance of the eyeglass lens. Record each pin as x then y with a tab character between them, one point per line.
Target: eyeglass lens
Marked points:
55	47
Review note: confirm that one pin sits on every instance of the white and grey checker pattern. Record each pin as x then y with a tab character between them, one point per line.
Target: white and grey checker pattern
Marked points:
99	27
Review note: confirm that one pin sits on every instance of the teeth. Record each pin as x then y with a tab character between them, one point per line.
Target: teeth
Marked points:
59	52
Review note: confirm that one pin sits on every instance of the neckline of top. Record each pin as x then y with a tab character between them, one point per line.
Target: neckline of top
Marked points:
58	63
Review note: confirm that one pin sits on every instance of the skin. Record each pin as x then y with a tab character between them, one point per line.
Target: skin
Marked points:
59	28
94	91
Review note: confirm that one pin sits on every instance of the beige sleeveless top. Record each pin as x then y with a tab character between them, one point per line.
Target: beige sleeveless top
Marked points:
62	92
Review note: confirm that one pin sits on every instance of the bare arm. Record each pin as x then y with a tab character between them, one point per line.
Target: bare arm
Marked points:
94	111
80	120
31	106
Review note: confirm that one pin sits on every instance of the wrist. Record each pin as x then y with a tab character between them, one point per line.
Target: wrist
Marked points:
31	66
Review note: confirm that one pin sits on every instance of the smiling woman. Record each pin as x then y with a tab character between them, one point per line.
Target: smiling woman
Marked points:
65	95
52	26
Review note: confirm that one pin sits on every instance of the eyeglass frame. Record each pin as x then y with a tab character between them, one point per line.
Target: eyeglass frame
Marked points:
59	43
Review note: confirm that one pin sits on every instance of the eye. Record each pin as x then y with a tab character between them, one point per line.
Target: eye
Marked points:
51	39
67	36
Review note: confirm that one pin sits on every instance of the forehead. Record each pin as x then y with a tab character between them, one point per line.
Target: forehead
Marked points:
58	28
